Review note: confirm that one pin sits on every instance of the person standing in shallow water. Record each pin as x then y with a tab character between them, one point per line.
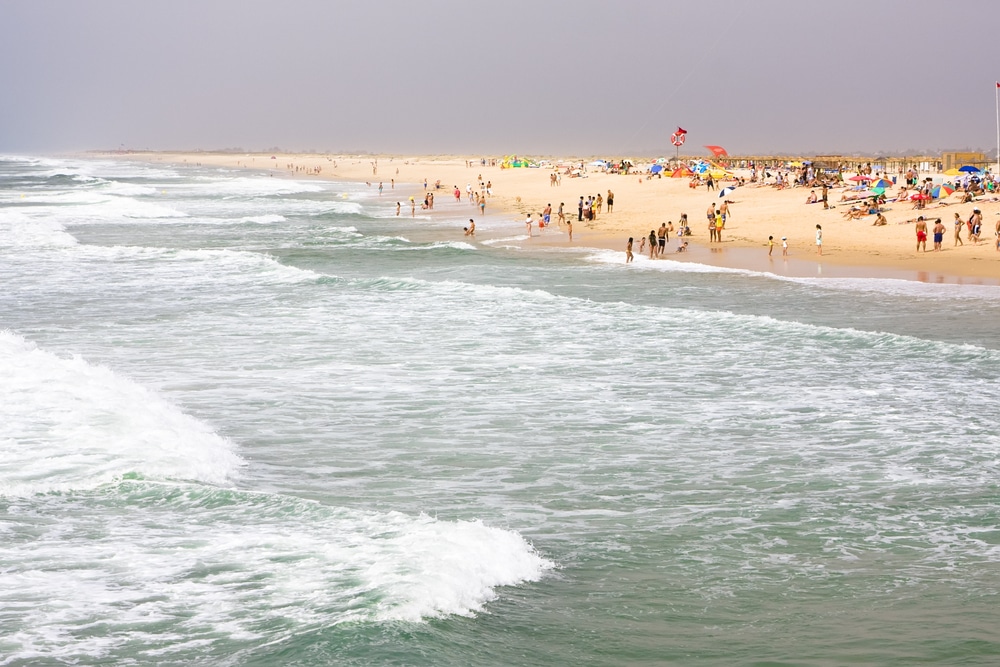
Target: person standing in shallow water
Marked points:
628	251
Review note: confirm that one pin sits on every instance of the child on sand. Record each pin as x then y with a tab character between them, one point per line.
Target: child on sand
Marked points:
784	246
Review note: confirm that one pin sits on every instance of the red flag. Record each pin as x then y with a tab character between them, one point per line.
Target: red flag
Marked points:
998	84
681	130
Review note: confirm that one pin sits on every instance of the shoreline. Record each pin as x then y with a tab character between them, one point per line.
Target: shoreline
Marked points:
852	248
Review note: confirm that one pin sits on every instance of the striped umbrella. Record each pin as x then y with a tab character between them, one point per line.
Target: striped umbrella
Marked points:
941	191
882	183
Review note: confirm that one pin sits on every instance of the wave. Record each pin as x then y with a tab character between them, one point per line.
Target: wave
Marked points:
264	219
245	186
68	424
235	568
19	230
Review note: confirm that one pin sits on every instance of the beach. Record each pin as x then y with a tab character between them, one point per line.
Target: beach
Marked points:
253	417
851	247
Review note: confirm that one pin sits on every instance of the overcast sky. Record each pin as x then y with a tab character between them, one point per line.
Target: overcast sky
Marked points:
533	77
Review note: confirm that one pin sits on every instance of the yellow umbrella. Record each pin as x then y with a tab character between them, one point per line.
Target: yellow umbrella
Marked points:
952	172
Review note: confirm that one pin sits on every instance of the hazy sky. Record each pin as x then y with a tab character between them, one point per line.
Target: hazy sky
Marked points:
533	77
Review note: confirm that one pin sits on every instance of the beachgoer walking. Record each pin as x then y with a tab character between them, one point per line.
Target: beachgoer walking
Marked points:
784	246
560	214
819	240
976	225
611	200
652	243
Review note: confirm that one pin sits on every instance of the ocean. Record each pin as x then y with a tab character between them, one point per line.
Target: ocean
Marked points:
254	420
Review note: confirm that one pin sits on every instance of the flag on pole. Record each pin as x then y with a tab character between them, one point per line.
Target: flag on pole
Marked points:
681	130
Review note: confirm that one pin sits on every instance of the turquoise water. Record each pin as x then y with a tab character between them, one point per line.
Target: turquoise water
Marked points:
259	421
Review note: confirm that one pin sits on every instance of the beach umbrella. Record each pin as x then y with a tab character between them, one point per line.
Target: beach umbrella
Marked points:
656	168
942	191
882	183
920	196
878	191
969	169
859	178
724	192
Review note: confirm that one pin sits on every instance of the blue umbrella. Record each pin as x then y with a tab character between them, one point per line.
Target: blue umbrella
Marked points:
656	168
969	168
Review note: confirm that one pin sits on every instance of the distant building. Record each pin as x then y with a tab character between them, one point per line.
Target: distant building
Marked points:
954	159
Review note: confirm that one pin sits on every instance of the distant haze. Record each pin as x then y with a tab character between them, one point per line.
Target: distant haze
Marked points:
540	77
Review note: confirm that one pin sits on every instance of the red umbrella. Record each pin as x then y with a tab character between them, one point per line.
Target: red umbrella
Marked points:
859	178
920	196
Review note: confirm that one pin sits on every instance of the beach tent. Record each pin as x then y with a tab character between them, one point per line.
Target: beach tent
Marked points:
681	172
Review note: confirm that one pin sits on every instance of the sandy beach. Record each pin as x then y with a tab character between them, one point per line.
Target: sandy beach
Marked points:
851	247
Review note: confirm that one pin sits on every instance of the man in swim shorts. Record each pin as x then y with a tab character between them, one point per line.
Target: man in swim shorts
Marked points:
938	234
661	238
921	233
